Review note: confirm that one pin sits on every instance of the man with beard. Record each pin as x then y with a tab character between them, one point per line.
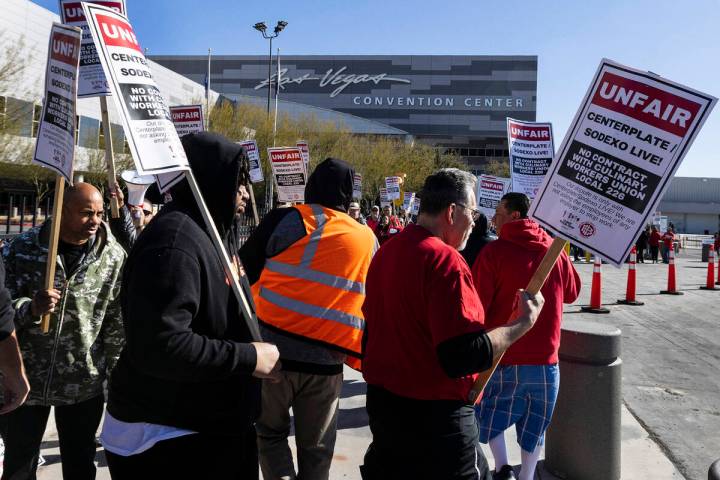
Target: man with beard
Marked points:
186	391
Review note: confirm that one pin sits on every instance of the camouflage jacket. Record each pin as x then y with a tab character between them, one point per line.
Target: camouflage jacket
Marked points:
68	364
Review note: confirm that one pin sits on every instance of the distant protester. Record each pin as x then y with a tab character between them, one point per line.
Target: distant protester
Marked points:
479	237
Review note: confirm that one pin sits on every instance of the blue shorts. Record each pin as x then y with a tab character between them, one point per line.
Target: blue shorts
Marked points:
520	395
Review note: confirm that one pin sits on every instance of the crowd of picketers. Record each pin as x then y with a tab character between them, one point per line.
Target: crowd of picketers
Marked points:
200	365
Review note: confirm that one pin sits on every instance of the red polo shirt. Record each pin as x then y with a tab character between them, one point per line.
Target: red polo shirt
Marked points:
419	293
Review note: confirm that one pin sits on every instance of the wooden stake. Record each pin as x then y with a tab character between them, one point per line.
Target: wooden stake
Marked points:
53	245
114	205
536	283
254	207
230	272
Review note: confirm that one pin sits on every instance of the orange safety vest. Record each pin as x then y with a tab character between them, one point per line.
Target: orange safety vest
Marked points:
316	287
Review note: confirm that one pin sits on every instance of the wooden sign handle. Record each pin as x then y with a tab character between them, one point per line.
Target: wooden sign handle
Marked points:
536	283
254	206
230	273
53	245
107	134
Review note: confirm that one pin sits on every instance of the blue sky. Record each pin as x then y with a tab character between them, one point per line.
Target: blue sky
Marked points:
675	39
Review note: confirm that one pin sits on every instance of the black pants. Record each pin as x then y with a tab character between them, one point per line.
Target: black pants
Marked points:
22	430
654	253
422	439
195	456
641	254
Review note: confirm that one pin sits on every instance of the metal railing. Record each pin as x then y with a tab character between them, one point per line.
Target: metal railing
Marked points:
21	211
693	241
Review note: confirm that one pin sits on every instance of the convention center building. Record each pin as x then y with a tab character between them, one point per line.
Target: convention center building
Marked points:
449	101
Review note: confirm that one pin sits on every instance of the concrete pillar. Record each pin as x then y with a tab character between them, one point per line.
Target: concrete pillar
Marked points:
583	441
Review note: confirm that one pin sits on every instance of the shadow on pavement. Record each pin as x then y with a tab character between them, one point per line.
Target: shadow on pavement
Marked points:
352	418
352	388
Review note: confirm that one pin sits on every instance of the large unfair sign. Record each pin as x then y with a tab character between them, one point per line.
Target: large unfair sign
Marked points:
531	150
490	190
187	119
625	144
151	135
55	145
92	81
289	170
251	149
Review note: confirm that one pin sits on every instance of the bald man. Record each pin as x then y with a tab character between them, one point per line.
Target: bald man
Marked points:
67	366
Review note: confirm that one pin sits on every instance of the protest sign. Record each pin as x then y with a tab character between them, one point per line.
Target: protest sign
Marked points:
288	168
187	119
408	198
625	143
305	151
392	184
357	185
416	206
91	79
531	151
384	200
55	146
151	135
251	148
490	190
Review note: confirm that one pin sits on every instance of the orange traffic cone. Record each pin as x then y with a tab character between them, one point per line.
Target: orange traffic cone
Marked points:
671	285
595	294
630	290
710	284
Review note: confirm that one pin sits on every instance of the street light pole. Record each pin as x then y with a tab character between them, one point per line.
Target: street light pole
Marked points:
262	28
269	75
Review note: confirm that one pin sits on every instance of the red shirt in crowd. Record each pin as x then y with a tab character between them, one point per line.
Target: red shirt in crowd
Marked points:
419	293
655	238
506	265
668	238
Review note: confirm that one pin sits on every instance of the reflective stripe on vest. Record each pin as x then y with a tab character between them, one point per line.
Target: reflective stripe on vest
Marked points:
312	310
315	276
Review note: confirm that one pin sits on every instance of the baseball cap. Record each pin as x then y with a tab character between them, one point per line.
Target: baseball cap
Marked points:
354	206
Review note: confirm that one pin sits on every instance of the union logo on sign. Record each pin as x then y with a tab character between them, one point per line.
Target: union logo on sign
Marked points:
587	229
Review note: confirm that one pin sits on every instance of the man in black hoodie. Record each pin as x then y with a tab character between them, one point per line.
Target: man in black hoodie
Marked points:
308	266
186	389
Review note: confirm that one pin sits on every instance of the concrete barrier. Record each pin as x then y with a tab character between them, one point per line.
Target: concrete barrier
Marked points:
714	472
583	441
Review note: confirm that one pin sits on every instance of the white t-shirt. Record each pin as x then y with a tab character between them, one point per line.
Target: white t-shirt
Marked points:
125	439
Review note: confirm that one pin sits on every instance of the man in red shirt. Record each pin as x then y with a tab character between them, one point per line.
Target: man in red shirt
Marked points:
668	240
654	242
374	217
523	389
425	340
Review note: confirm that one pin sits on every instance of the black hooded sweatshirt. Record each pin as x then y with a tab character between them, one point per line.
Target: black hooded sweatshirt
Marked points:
187	362
330	185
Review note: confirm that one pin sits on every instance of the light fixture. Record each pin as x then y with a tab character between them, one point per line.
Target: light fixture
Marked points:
280	26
